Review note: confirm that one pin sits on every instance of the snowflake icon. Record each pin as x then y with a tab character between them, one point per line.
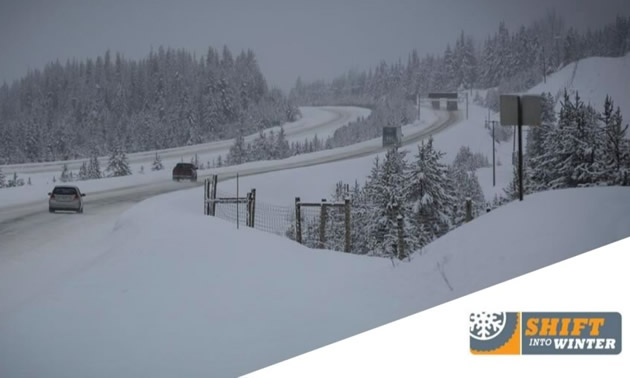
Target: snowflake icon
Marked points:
486	325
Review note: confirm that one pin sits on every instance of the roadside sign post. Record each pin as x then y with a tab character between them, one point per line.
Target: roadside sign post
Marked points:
494	169
520	111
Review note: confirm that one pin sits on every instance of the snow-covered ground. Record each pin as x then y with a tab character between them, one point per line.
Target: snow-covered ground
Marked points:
168	292
164	291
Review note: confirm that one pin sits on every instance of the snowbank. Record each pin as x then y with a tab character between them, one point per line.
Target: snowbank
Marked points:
174	293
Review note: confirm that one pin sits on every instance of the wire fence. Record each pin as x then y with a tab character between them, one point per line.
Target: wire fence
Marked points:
280	220
275	219
268	217
333	236
337	225
321	224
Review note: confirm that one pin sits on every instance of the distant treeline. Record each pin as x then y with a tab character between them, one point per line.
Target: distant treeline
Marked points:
508	61
170	98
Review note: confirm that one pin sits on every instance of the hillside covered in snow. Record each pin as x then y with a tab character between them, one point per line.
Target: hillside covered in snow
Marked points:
593	78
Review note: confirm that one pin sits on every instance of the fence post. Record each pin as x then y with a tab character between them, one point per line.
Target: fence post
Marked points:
206	194
347	221
213	195
248	219
322	224
298	221
468	209
401	238
252	223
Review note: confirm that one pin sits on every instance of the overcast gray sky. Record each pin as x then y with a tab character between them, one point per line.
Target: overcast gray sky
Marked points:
314	39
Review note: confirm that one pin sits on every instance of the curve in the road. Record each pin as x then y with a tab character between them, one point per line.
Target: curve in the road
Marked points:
21	217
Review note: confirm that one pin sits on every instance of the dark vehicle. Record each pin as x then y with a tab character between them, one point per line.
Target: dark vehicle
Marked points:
185	171
68	198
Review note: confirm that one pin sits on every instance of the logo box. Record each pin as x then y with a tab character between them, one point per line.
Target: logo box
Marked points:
545	333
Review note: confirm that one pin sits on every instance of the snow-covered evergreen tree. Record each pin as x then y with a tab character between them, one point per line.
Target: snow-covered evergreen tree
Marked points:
15	181
282	145
388	195
83	172
65	174
157	163
465	185
573	149
3	182
616	154
259	149
588	148
94	168
237	153
430	193
118	165
537	144
467	161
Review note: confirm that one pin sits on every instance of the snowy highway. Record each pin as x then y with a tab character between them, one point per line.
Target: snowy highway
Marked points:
33	242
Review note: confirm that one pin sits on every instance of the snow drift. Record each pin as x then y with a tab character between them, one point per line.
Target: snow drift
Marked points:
175	293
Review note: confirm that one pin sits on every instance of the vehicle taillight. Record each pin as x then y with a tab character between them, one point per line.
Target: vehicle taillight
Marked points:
52	196
76	196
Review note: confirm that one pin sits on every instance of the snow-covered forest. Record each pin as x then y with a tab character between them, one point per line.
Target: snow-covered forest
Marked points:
170	98
269	146
505	62
579	147
584	147
428	195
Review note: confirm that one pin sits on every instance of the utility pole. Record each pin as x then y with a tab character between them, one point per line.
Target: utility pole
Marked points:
237	203
466	105
494	167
